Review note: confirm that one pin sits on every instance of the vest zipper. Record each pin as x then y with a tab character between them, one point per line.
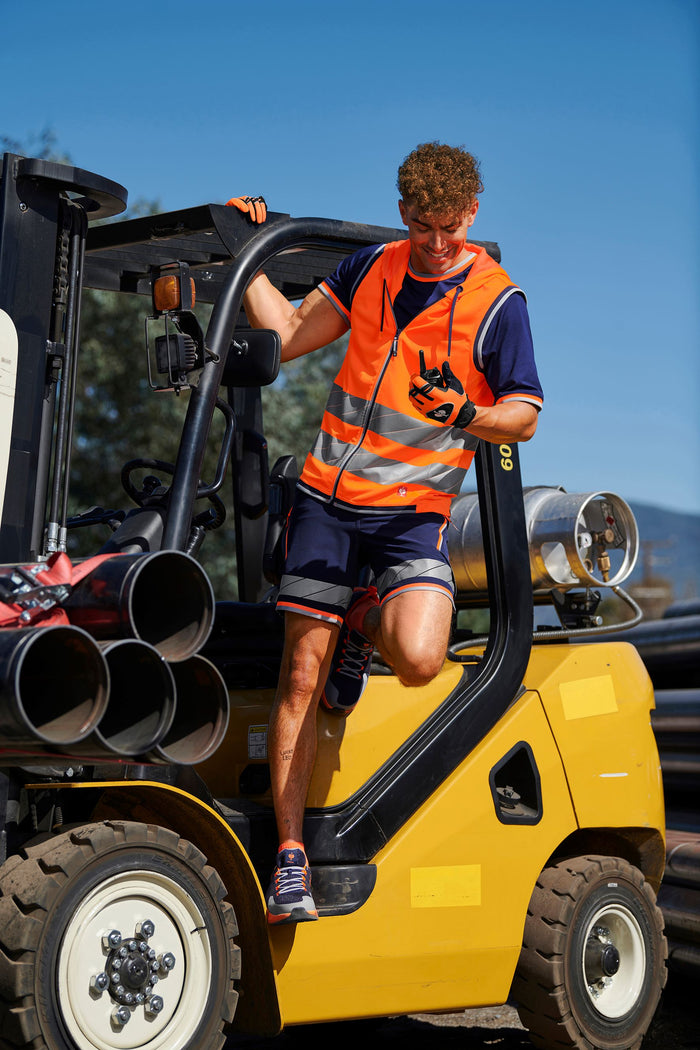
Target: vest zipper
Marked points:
368	417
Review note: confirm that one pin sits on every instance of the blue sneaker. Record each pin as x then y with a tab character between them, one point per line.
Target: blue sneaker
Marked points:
289	893
351	661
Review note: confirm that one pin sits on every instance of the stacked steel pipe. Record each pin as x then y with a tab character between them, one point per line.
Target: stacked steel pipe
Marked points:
679	899
122	678
670	649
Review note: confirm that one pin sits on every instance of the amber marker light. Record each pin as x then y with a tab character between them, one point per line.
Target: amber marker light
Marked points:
166	293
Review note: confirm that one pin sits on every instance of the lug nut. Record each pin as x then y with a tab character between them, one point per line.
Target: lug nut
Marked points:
167	962
121	1015
145	929
112	940
143	947
153	1006
99	982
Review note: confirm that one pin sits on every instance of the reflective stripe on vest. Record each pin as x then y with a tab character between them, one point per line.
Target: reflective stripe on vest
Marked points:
374	449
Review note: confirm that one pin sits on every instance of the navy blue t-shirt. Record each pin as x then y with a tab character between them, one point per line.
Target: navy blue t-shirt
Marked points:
505	355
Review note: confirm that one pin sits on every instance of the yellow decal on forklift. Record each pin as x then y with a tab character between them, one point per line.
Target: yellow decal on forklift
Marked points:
453	887
588	696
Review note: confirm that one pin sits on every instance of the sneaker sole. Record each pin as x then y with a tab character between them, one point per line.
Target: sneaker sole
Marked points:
332	709
295	915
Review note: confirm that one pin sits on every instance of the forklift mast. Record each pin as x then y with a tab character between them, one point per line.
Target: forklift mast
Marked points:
44	212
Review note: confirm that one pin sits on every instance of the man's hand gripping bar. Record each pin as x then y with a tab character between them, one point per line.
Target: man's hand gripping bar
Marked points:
254	207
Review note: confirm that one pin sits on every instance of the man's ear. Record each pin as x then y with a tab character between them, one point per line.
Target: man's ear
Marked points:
402	211
473	210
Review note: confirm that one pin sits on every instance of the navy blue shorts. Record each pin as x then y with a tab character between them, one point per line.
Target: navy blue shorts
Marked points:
329	551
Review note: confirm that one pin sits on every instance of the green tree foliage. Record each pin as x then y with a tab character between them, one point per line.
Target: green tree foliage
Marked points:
117	417
42	145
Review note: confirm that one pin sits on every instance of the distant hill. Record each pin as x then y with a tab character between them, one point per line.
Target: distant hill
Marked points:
670	549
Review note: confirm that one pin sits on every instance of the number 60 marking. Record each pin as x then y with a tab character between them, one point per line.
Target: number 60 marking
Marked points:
506	453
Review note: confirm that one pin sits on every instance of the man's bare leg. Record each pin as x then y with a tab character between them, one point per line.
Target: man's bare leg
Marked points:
308	649
412	632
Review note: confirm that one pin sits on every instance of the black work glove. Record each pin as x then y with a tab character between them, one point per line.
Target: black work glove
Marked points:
439	395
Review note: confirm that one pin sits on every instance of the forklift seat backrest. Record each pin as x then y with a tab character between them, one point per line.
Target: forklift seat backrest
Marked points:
283	482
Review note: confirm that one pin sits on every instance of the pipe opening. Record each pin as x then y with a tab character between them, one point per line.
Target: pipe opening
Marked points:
202	713
171	605
60	685
141	700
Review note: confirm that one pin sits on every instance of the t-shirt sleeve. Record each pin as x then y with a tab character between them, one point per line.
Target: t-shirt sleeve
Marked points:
503	351
340	287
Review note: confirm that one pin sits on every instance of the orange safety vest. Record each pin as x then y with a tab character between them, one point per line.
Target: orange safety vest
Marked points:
374	450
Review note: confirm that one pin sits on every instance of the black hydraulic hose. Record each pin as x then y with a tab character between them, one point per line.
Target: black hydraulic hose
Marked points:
63	421
558	634
56	539
289	233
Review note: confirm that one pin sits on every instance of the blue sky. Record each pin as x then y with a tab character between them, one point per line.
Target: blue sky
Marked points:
584	117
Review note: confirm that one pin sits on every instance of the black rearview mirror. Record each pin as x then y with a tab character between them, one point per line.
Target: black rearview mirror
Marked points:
253	358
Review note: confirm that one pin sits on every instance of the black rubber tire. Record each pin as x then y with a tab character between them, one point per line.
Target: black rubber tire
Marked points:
115	866
566	998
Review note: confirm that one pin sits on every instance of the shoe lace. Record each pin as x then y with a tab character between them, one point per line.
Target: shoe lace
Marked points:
291	879
353	662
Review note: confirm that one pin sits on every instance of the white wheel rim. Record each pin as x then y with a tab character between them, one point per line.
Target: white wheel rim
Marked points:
615	995
120	903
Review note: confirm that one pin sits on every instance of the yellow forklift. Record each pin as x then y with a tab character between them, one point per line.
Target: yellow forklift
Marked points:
496	835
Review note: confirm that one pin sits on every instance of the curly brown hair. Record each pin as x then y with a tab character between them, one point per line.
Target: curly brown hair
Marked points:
439	180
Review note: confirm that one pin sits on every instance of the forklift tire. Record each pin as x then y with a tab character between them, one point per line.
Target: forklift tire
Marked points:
593	961
115	935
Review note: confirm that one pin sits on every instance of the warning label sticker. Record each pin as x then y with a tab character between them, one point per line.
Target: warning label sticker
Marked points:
257	741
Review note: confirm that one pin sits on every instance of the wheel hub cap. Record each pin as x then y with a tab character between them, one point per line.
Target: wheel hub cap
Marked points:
132	970
614	961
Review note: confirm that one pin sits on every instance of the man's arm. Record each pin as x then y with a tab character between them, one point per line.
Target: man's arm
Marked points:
509	421
440	396
313	324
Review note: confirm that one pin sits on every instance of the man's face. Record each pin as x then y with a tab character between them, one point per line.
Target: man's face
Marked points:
437	243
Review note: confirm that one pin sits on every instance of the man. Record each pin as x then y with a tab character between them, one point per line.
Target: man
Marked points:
440	356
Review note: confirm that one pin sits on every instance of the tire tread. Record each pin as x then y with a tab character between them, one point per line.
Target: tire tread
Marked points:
32	881
539	986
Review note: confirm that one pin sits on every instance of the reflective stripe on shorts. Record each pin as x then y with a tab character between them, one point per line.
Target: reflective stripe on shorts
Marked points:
330	551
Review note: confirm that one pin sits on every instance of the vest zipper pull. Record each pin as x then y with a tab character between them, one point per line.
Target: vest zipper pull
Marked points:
395	345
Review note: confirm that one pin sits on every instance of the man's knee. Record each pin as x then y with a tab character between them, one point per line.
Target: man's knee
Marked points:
419	666
303	663
299	678
415	630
